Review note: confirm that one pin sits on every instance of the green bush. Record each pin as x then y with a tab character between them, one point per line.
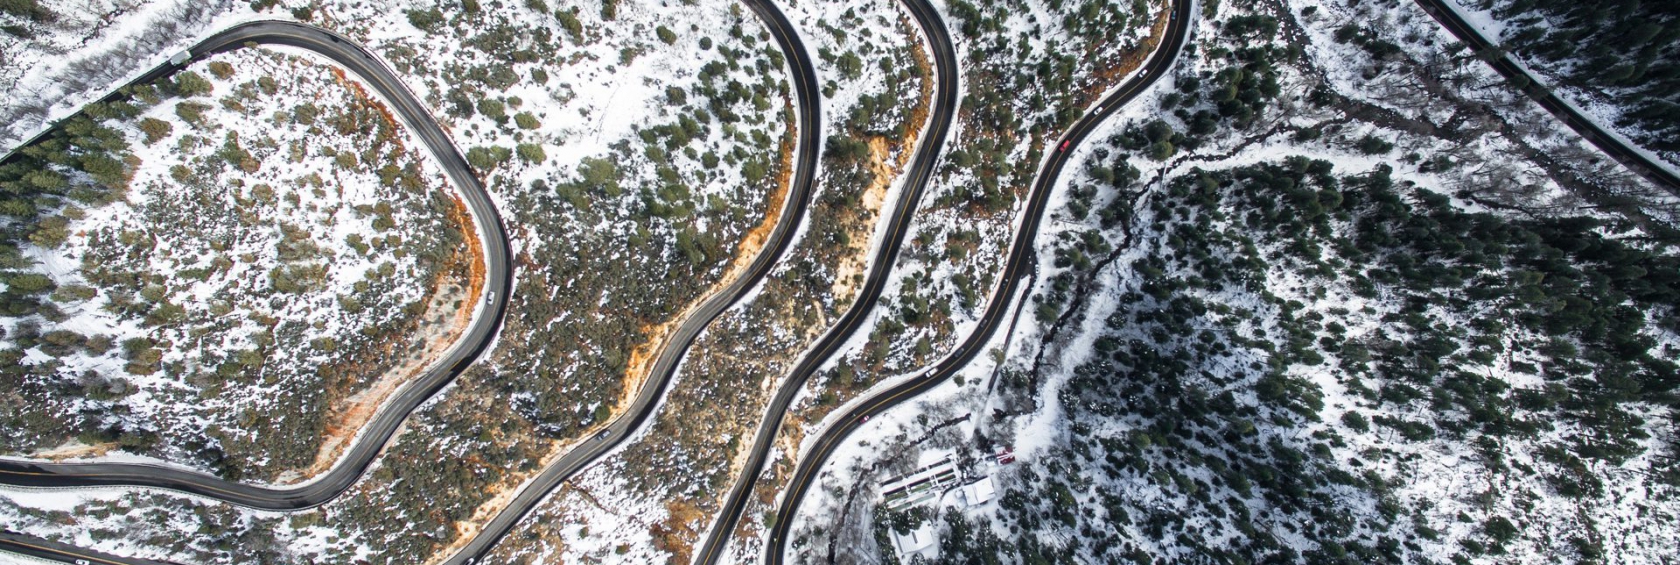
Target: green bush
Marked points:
525	120
493	109
222	69
29	283
531	153
191	112
487	159
189	84
569	22
155	129
426	20
1373	145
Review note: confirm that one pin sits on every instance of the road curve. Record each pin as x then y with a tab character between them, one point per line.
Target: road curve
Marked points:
881	267
54	551
339	479
647	399
1638	162
1016	269
372	438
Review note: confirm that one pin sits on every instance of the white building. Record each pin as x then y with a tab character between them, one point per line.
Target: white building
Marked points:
979	492
920	541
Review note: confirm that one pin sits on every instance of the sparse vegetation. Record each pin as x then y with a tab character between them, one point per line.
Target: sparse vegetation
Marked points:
185	261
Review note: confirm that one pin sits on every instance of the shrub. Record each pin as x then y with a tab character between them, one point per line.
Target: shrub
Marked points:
493	109
1373	145
222	69
847	149
1161	150
666	35
526	121
569	21
850	65
532	153
155	129
346	160
50	233
191	112
29	283
189	84
599	175
486	159
1355	421
425	20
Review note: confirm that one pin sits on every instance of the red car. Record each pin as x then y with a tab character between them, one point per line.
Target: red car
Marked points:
1065	145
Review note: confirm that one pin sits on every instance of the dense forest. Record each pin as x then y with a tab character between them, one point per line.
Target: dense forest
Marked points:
1206	418
1624	49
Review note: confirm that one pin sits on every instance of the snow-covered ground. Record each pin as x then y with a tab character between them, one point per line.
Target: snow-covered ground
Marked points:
593	91
1125	471
686	459
1599	100
630	155
85	48
959	236
254	247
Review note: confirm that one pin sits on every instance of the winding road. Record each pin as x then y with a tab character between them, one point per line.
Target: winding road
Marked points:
371	440
1017	270
880	271
647	399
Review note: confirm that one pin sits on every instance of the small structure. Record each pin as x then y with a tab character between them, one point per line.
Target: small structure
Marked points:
924	485
979	492
920	541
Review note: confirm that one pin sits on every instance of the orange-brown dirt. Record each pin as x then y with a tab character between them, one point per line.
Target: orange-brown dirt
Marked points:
793	431
448	313
641	359
886	161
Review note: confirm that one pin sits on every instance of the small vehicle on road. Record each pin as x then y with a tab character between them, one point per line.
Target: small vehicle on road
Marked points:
1065	145
603	435
864	418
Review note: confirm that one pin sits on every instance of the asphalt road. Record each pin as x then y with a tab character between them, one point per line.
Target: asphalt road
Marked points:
647	399
944	106
1019	265
372	438
54	551
1017	269
1634	160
